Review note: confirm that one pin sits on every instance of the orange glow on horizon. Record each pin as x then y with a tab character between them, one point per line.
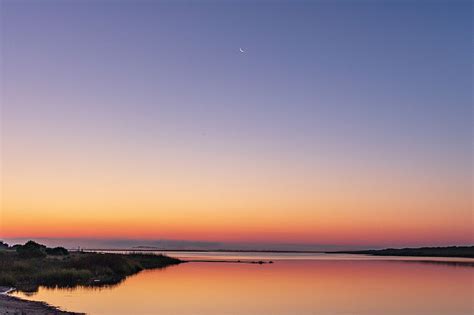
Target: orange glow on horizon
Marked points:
348	205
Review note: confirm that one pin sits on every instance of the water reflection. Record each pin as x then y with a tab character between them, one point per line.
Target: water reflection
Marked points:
32	290
364	287
463	264
253	256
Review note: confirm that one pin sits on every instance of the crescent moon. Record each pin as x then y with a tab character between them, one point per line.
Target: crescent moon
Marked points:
241	50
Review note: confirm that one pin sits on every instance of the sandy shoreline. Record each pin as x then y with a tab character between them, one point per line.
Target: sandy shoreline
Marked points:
12	305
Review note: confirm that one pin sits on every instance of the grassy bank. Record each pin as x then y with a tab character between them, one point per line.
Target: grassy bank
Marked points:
28	271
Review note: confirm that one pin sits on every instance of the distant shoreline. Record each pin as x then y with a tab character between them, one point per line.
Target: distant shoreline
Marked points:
134	249
446	252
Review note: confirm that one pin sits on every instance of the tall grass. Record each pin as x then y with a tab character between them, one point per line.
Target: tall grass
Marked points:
88	269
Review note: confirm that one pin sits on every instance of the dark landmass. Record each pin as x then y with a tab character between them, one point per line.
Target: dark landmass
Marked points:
451	251
26	267
156	249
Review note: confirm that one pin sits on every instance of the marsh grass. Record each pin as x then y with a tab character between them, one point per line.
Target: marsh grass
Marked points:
76	268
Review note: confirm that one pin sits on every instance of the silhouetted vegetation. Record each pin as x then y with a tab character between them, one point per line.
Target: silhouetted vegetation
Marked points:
57	251
3	245
451	251
28	266
31	250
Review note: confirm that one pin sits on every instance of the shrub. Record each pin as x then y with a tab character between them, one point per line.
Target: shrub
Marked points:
57	251
31	250
3	245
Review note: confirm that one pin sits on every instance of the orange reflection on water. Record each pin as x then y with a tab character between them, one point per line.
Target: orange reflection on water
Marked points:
286	287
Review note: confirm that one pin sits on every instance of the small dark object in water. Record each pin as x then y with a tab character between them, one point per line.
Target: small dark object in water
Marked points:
260	262
270	262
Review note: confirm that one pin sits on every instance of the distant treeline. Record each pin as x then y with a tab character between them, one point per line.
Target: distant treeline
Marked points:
450	251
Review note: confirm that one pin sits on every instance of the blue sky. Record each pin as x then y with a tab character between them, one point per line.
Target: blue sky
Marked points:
359	88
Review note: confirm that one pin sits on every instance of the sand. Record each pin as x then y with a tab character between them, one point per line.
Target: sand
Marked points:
14	306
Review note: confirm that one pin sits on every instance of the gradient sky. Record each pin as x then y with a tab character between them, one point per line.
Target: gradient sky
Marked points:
343	123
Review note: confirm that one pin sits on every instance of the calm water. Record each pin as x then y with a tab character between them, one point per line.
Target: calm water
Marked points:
294	284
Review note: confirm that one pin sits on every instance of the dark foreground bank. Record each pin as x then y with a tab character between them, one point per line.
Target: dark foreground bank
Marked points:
12	305
451	251
26	267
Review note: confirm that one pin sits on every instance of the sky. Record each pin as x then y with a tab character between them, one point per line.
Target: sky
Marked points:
343	123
